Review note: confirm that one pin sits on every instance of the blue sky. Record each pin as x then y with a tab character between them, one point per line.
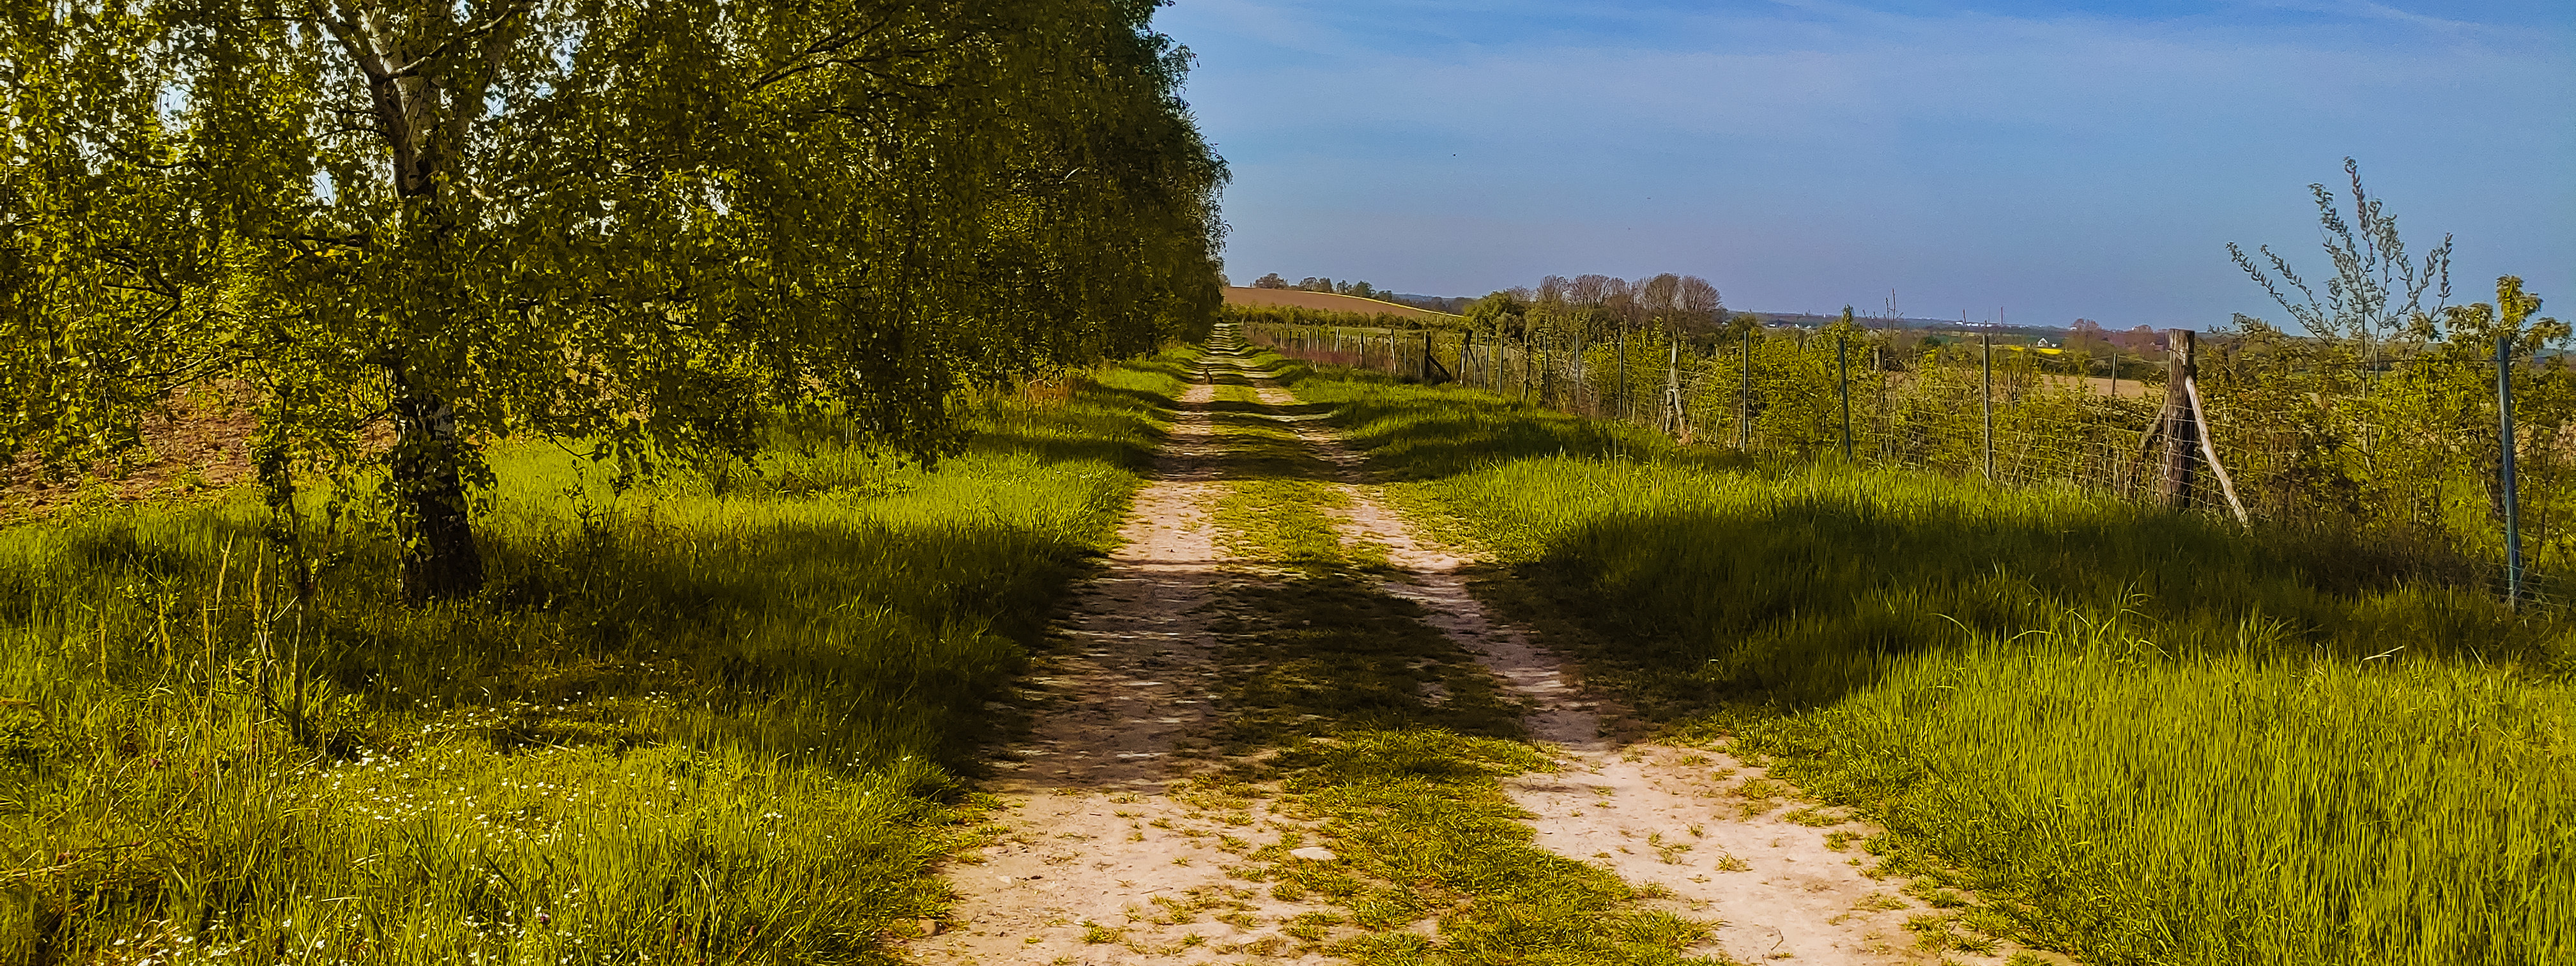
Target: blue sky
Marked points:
2048	160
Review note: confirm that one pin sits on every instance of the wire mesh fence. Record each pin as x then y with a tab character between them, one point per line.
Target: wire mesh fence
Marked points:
2281	430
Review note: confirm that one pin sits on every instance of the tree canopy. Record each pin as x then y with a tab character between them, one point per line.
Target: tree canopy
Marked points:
644	224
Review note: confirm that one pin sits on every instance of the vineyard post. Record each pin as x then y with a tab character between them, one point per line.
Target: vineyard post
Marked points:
1842	365
1990	405
2512	502
2115	372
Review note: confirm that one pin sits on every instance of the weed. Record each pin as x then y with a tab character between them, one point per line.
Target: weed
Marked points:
1812	817
1878	902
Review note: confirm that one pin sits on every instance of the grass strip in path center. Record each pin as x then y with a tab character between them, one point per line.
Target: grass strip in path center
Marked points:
1390	739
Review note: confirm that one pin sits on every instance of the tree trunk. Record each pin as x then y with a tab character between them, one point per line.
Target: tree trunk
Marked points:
423	123
439	559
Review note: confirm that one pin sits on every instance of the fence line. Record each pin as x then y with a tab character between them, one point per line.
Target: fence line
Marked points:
2409	445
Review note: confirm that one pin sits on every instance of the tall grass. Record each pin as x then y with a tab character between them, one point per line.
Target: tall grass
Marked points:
2146	737
708	719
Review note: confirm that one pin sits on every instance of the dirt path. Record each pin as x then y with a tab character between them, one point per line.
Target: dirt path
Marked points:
1105	853
1697	823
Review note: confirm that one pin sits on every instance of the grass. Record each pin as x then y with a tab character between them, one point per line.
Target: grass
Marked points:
1400	779
2143	737
710	719
1277	493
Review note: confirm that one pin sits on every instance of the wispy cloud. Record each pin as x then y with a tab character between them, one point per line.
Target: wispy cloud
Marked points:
2062	154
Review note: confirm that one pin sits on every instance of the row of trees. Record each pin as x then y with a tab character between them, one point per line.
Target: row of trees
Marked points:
645	224
1320	284
1595	307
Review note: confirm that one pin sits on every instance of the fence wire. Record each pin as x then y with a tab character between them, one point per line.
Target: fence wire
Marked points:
2407	446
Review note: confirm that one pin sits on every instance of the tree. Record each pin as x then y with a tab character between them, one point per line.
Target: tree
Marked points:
2461	367
1271	280
642	225
1590	291
2374	292
1498	314
1698	303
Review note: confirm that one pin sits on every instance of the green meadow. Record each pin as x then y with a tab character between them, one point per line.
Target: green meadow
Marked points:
714	717
724	715
2141	737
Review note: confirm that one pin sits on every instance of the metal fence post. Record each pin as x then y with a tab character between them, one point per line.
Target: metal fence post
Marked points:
1744	403
1878	374
1990	405
1842	363
2512	502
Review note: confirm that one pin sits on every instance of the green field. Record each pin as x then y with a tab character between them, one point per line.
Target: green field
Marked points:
2144	737
716	718
2134	736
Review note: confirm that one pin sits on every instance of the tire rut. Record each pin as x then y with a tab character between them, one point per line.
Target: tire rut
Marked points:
1102	851
1695	824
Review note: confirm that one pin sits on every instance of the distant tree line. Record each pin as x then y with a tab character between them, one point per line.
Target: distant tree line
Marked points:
1595	307
1434	303
1324	285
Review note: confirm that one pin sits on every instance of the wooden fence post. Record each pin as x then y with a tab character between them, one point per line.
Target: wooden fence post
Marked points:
2179	476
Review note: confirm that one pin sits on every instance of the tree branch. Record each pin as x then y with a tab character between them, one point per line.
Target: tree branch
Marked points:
413	69
831	43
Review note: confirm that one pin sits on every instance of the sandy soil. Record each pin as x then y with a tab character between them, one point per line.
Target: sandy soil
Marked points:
1712	832
197	444
1104	852
2101	385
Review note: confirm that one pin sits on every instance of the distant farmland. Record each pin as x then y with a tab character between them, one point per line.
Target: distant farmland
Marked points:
1325	301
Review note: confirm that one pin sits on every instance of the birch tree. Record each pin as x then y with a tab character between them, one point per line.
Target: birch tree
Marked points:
643	225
